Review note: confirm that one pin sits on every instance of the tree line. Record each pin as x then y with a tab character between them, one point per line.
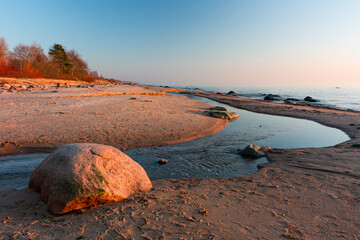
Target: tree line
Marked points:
30	61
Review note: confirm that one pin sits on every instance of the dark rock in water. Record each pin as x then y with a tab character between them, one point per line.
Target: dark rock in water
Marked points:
356	145
292	100
232	93
163	161
272	97
253	151
222	114
218	108
310	99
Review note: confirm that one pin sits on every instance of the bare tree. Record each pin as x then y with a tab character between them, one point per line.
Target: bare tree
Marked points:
4	50
21	56
79	68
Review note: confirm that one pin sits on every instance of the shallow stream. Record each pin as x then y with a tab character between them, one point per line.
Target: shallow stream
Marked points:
213	156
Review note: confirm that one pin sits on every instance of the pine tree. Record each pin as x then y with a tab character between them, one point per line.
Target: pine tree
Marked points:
60	59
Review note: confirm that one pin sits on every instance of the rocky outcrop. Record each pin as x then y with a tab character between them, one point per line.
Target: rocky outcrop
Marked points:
218	108
310	99
272	97
76	176
253	151
221	112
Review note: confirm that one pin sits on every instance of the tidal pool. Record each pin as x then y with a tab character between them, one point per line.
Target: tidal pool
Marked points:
213	156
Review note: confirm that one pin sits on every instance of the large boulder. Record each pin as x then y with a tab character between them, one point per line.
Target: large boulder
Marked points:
253	151
79	175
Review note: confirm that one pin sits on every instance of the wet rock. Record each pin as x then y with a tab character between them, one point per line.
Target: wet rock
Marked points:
356	145
163	161
5	86
79	175
272	97
222	114
292	101
218	108
253	151
310	99
231	93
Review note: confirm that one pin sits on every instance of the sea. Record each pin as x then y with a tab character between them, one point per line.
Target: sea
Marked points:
336	97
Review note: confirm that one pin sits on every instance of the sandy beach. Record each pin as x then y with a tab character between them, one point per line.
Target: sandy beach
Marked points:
123	116
311	193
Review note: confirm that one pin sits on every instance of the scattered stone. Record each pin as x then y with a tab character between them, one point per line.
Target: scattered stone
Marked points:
31	87
272	97
356	145
253	151
55	91
222	114
133	98
310	99
80	175
22	87
5	86
58	85
203	211
13	88
163	161
218	108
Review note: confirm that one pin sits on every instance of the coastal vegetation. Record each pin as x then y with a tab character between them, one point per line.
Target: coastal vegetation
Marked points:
31	61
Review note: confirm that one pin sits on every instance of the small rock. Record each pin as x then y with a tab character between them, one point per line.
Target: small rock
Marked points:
231	93
58	85
163	161
203	211
253	151
218	108
310	99
222	114
272	97
6	86
13	88
356	145
133	98
22	87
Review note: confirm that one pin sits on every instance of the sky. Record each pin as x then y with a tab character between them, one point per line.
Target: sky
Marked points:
227	43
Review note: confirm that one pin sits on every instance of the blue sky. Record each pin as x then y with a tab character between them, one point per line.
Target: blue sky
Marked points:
196	42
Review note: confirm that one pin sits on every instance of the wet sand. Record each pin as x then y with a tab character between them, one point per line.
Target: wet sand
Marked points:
311	193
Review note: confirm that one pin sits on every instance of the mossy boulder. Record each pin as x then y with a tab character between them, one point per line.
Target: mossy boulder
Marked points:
221	112
79	175
253	151
218	108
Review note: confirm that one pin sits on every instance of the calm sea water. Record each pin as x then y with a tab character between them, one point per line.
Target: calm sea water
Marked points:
344	98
